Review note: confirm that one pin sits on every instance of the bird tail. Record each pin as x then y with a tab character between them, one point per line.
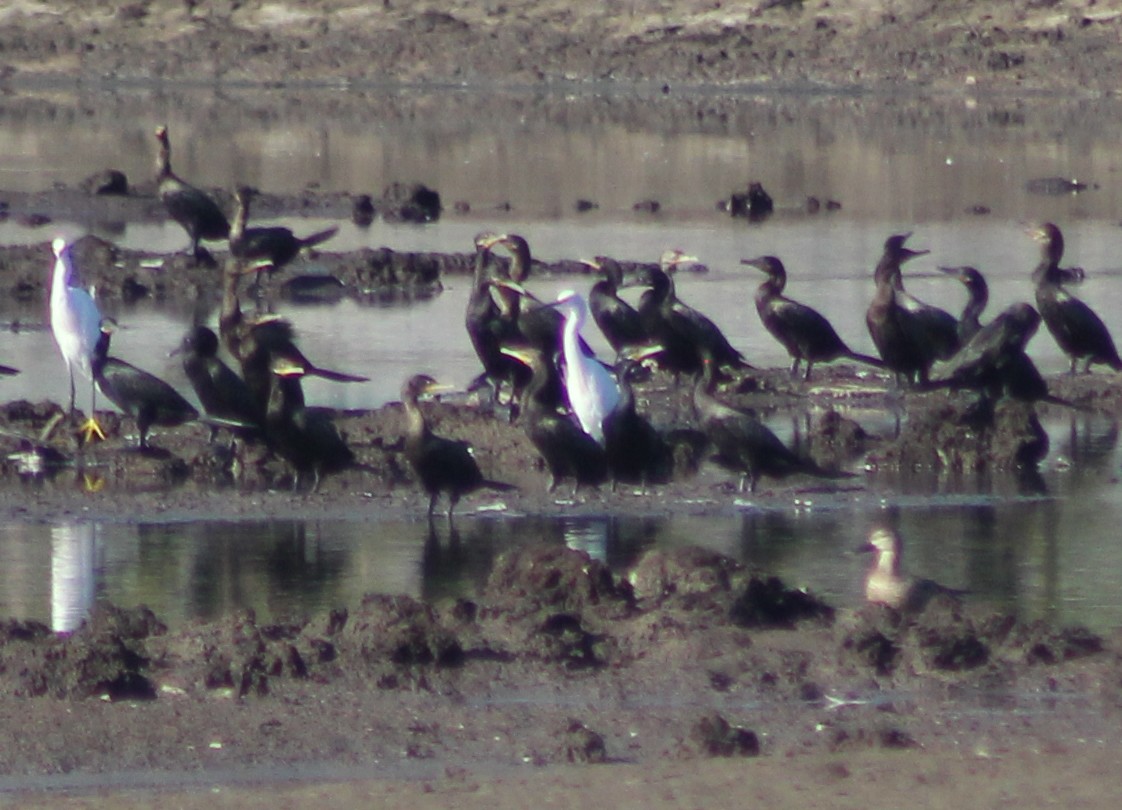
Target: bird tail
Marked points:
499	486
319	236
336	376
868	359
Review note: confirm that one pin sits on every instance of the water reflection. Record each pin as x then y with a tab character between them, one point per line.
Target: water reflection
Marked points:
1037	557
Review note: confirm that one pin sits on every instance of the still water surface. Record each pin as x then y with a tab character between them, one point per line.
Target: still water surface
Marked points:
895	164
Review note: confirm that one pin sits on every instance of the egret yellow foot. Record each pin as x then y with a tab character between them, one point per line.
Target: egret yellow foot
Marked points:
89	429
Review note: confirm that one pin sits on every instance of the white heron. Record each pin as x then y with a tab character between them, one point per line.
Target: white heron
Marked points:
591	388
76	326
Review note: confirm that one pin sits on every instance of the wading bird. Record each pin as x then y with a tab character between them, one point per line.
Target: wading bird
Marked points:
887	585
192	208
267	249
76	326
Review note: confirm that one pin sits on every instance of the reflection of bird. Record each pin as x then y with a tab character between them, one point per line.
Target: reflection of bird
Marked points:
199	215
222	392
146	398
267	248
592	391
805	333
617	319
743	442
8	371
442	465
887	585
908	334
1074	325
76	326
568	451
978	293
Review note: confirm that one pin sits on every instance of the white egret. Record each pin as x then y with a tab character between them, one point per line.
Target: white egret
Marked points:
591	388
76	326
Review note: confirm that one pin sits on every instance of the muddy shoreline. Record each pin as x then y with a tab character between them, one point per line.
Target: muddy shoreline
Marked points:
668	675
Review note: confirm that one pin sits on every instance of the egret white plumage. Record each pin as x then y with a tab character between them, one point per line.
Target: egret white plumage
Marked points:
591	388
76	326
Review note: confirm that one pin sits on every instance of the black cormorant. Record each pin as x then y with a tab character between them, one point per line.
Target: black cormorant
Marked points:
146	398
978	295
803	331
441	464
743	442
192	208
1074	325
267	248
221	391
909	335
568	451
617	319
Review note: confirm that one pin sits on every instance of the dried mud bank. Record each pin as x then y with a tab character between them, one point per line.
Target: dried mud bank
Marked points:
808	43
557	661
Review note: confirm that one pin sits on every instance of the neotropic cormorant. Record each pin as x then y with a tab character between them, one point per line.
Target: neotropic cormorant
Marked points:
805	333
637	452
306	438
76	326
617	319
192	208
441	464
887	585
568	451
267	248
994	362
1074	325
492	321
908	334
222	392
978	292
743	442
146	398
682	331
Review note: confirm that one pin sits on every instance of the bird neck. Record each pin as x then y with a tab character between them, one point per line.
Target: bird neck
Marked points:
416	426
974	307
519	259
241	217
163	161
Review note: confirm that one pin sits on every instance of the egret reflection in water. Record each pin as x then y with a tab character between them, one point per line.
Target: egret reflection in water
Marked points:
73	580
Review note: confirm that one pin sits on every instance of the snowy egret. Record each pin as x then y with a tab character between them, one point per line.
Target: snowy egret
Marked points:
75	324
192	208
591	388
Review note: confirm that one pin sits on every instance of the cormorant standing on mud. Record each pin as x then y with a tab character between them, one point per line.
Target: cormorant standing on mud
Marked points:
617	319
267	248
146	398
743	442
192	208
1074	325
978	292
909	335
222	392
491	321
441	464
683	332
805	333
567	450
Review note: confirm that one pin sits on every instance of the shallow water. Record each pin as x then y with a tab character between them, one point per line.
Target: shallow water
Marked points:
896	164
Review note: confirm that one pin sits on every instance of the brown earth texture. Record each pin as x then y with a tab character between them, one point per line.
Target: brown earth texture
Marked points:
687	681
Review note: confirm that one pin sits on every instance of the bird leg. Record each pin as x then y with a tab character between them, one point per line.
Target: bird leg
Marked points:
90	428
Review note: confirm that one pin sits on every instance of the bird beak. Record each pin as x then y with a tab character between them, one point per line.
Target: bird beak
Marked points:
513	286
638	353
285	367
592	264
525	356
865	548
489	241
757	263
907	254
